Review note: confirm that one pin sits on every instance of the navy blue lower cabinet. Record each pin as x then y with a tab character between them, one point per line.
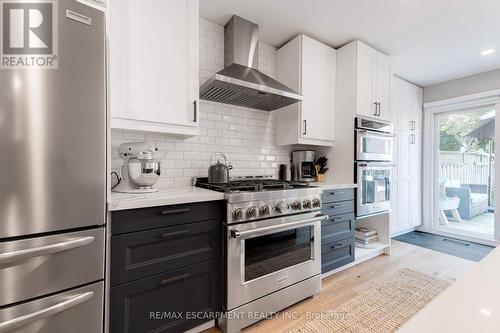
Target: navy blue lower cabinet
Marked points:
166	268
171	302
337	233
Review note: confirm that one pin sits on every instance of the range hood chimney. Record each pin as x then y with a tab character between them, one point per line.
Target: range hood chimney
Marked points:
240	82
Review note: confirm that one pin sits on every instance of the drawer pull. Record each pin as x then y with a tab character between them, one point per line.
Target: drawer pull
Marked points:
337	246
338	220
173	234
175	211
336	193
337	206
174	279
15	324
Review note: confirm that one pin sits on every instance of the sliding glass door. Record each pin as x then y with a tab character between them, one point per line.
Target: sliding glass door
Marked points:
464	175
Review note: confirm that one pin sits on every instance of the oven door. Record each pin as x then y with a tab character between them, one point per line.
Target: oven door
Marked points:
268	255
374	146
374	188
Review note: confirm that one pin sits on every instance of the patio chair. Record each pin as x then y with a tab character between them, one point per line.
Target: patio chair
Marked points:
473	199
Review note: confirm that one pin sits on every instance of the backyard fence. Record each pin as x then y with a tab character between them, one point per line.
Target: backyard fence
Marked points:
467	173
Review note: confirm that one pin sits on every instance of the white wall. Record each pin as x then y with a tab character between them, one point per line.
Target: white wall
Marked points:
464	86
245	135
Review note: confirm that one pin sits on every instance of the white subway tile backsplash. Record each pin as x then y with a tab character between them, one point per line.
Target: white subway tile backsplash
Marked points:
246	136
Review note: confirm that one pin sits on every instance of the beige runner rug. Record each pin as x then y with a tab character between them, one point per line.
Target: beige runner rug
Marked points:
381	309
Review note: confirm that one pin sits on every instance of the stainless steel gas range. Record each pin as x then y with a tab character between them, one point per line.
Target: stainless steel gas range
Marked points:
273	249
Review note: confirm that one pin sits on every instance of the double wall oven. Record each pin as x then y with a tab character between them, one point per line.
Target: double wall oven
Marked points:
374	155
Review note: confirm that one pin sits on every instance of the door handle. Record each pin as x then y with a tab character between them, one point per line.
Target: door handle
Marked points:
175	211
195	105
173	234
239	234
376	109
336	246
305	127
19	255
174	279
16	323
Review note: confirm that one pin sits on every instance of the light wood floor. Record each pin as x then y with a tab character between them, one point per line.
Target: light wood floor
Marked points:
352	281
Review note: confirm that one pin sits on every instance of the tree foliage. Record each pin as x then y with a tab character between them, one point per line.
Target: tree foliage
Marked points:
454	129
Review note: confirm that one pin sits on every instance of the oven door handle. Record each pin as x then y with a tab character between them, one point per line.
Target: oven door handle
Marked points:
239	234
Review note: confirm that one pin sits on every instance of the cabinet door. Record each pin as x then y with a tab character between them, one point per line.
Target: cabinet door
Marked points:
365	81
415	203
318	89
417	108
142	305
404	155
404	106
415	156
383	86
404	205
153	52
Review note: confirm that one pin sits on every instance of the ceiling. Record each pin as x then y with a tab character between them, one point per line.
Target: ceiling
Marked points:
430	41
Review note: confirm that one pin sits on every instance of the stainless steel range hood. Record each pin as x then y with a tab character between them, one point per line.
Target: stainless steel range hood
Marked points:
240	82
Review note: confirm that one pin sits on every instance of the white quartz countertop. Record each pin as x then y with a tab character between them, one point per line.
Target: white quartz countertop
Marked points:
327	186
121	201
472	304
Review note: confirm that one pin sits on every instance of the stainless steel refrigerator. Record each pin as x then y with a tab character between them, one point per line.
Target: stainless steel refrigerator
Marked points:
52	167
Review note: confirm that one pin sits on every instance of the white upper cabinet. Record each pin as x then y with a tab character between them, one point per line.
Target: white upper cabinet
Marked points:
154	65
308	67
370	71
408	101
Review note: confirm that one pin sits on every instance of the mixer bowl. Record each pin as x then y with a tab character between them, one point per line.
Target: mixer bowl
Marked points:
144	174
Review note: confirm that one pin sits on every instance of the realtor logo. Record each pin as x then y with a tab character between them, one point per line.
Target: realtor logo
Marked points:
28	34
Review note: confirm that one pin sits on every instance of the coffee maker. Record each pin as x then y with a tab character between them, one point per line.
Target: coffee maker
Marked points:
303	168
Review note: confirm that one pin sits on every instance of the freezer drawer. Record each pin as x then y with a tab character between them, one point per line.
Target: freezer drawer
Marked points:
39	266
76	311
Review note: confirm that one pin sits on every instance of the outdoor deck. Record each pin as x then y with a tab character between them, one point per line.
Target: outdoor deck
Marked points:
482	224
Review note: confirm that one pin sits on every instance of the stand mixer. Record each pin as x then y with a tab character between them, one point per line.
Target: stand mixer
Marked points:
140	170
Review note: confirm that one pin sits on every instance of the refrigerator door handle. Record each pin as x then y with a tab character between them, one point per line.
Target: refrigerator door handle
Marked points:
19	255
16	323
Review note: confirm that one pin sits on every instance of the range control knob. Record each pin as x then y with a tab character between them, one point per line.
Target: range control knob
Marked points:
296	205
282	207
307	204
252	211
265	210
316	203
237	213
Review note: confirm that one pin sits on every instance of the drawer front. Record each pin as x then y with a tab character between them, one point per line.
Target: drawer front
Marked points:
140	254
344	194
338	208
337	228
190	289
42	265
337	254
76	311
165	216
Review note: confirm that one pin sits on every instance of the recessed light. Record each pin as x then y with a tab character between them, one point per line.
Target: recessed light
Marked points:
486	52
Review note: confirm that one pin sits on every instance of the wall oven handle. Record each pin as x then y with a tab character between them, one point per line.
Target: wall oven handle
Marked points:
19	255
16	323
239	234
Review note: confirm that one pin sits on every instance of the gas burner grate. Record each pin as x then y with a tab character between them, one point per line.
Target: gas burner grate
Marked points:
250	185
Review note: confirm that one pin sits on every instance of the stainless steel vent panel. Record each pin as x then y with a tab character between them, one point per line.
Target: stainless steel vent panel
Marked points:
243	86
